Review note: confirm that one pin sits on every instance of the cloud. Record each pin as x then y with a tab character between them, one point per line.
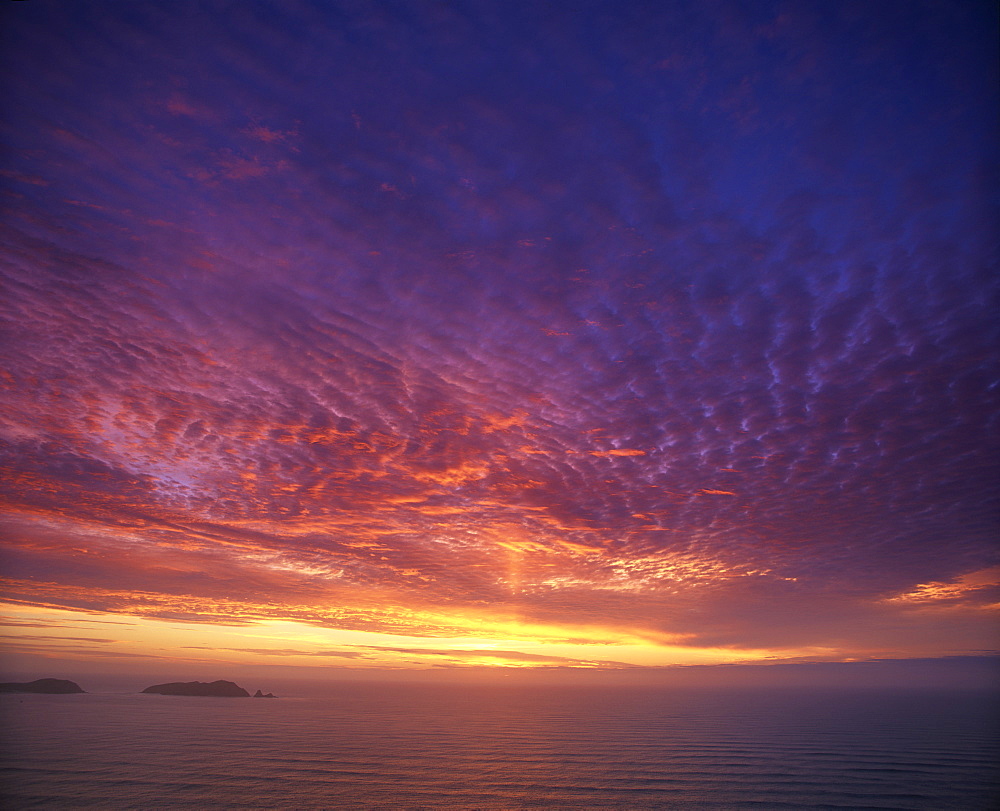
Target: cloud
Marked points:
976	590
403	322
279	652
486	656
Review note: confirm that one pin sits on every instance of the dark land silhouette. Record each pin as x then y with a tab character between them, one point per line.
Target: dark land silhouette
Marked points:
51	686
220	688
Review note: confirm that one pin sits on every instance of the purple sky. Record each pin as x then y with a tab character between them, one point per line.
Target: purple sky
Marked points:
584	324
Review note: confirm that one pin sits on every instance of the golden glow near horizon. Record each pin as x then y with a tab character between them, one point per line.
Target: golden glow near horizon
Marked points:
510	598
316	617
96	636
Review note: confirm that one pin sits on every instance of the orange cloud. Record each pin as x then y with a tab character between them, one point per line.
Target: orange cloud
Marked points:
978	590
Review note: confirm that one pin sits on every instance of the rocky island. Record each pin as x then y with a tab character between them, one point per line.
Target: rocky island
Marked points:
49	686
220	688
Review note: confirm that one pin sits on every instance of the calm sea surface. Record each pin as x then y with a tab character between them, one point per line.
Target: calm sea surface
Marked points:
504	747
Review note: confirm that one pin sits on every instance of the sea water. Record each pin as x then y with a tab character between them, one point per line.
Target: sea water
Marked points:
394	746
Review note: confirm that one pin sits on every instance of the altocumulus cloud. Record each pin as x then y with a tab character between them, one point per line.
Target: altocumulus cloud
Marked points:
678	319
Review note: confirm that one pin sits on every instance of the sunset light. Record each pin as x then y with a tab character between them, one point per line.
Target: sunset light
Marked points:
599	349
542	404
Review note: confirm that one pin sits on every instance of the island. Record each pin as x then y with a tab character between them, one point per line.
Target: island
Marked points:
223	689
259	694
49	686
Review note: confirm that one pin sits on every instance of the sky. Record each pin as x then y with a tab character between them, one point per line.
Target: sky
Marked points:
413	336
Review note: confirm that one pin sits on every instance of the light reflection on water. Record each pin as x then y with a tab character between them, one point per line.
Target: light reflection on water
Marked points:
500	747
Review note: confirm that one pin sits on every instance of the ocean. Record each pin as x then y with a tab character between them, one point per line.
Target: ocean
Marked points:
437	746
